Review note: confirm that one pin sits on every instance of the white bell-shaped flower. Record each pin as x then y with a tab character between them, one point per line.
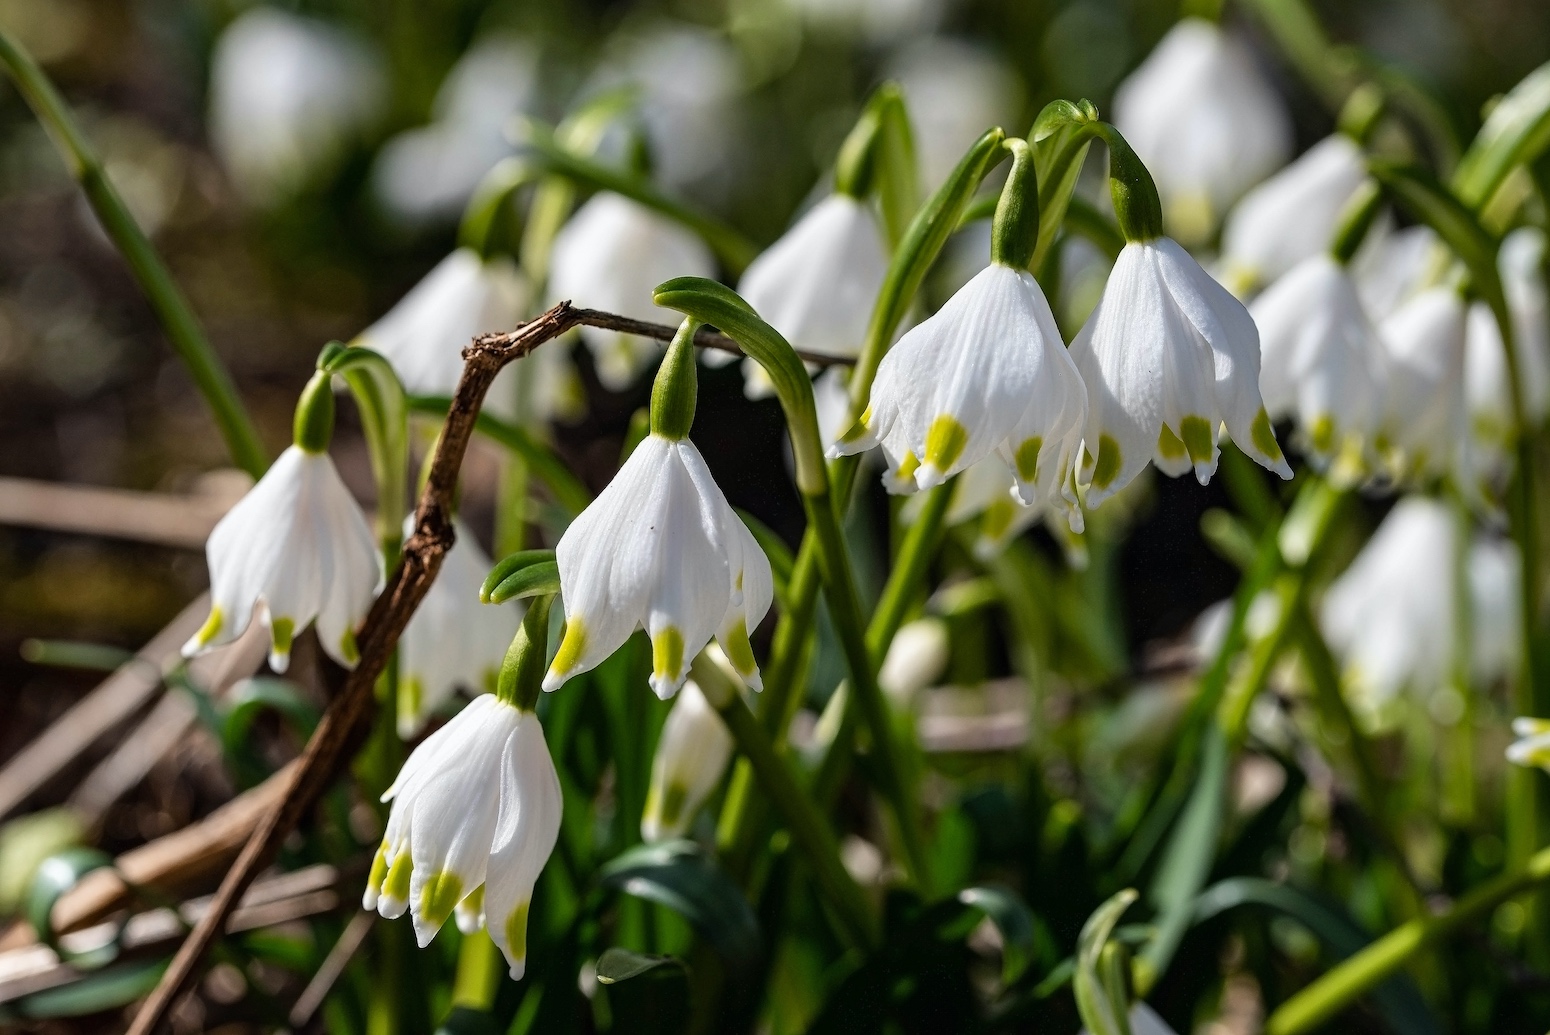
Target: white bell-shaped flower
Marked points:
452	640
1168	356
476	813
1205	121
1391	616
1392	267
1293	215
610	256
816	285
1424	423
1321	362
692	753
660	548
424	336
916	659
288	95
1532	748
296	548
986	373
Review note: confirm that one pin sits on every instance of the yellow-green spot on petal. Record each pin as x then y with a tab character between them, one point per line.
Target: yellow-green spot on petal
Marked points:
212	627
673	803
1196	432
1107	467
281	632
945	442
998	518
473	902
1028	459
667	653
516	932
571	646
439	896
379	868
908	466
396	885
1169	445
1264	435
861	427
1323	434
347	647
739	650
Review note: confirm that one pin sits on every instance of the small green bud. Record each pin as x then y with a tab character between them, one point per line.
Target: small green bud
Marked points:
676	389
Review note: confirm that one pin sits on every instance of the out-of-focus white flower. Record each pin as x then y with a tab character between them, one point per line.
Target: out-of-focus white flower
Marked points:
986	373
287	96
831	396
692	753
1532	748
610	256
1395	267
430	171
660	548
1206	123
1321	362
1391	615
452	640
816	285
1168	357
1424	425
1208	632
955	91
916	659
690	83
875	21
1485	360
476	813
298	546
1144	1021
1293	215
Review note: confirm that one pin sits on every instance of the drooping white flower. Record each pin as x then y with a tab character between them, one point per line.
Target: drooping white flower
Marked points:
1532	748
1424	424
1321	362
1391	616
1205	122
287	96
1396	266
296	548
916	659
692	753
660	548
874	21
1145	1021
476	813
429	172
452	640
1293	215
610	256
1168	356
986	373
954	91
1485	359
816	285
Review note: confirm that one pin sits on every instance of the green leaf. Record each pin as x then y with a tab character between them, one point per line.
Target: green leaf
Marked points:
1093	998
106	989
510	567
54	876
1015	922
249	699
535	580
97	657
1397	998
678	875
618	964
538	140
1061	136
1515	133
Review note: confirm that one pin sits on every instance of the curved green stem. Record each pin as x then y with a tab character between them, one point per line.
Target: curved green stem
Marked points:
172	309
384	410
1331	993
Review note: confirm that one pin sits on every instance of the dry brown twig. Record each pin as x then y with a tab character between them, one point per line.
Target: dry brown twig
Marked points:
326	752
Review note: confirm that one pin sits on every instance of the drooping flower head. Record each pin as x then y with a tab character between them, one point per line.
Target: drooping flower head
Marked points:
1425	420
661	549
295	549
692	753
610	256
988	372
453	641
1205	122
1169	356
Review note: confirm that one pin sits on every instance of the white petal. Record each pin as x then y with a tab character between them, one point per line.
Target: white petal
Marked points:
692	753
526	832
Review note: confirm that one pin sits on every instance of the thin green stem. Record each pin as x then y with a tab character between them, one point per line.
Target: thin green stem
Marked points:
1331	993
479	971
172	309
809	830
